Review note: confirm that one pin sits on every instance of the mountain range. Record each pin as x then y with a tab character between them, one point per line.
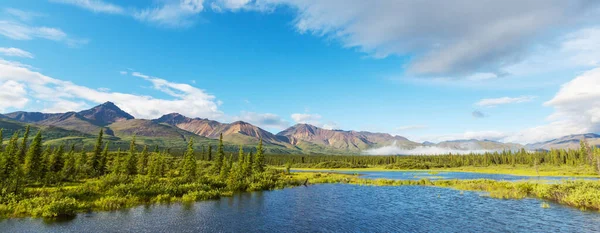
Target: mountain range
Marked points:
174	130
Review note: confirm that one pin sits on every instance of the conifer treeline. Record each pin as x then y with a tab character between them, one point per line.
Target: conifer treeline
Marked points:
23	165
585	155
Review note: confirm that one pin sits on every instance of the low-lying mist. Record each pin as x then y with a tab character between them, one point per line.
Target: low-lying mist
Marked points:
420	150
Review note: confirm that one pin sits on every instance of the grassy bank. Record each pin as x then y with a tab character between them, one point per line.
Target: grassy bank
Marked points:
520	170
581	194
113	192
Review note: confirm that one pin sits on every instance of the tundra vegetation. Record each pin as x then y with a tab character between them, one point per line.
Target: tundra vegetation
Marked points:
50	182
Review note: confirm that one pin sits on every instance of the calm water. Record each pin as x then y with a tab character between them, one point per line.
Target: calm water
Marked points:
333	208
417	175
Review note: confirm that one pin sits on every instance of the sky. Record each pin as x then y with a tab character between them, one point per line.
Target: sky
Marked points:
513	71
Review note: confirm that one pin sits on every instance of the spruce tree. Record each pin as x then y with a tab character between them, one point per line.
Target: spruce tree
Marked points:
116	163
209	152
142	165
189	162
81	164
103	160
131	162
23	147
56	162
94	160
10	169
259	161
33	160
1	141
68	170
220	155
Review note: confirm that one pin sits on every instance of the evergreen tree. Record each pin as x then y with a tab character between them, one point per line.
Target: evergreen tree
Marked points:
81	164
189	162
131	162
68	170
33	160
220	155
156	149
56	162
259	161
142	165
249	161
23	147
103	160
1	142
10	169
116	163
209	152
93	161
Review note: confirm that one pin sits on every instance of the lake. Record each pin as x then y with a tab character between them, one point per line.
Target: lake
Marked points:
332	208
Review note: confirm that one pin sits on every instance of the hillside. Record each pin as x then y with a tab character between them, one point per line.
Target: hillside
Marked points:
567	142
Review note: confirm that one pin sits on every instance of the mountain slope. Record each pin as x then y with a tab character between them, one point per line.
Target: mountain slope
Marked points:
474	144
105	114
72	121
31	117
237	132
312	138
566	142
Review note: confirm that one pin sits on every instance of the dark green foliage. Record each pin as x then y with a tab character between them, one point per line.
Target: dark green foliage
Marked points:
69	170
131	162
23	147
209	152
143	161
259	160
94	161
189	163
220	156
33	159
11	173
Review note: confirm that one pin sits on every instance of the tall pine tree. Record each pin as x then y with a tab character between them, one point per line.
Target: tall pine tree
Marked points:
189	162
33	159
131	162
259	160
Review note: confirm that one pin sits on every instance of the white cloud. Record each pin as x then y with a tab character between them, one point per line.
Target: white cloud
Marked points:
13	95
411	127
504	100
313	119
577	110
64	95
172	14
444	38
263	120
19	31
478	135
22	15
94	5
15	52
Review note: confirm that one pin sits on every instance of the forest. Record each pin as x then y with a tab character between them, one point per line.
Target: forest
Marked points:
55	182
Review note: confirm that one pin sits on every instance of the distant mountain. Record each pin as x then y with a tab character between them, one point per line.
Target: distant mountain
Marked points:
105	114
31	117
312	138
566	142
474	144
72	121
237	132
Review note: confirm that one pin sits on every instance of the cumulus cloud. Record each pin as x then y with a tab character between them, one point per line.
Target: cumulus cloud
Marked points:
420	150
504	100
444	38
94	5
173	14
577	110
13	95
62	95
15	52
313	119
263	120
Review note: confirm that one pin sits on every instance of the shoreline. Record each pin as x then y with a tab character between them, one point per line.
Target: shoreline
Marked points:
482	170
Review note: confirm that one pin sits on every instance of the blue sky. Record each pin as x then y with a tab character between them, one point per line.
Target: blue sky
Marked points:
510	75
